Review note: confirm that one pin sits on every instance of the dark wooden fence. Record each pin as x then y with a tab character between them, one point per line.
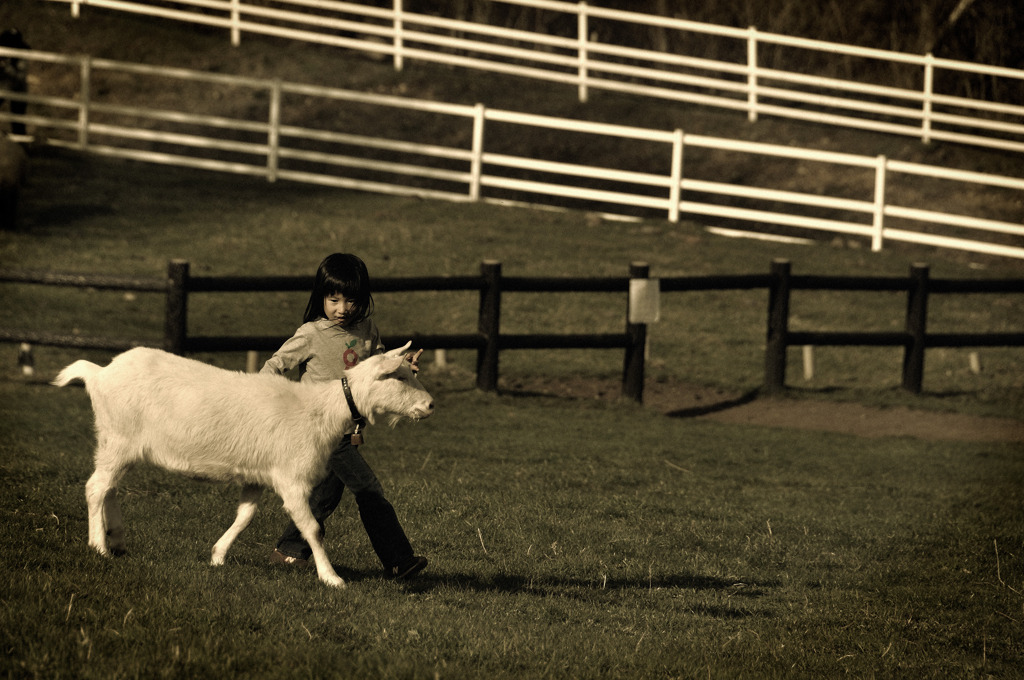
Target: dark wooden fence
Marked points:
914	338
489	341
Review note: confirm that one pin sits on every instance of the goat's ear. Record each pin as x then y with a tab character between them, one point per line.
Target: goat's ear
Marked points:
391	364
399	351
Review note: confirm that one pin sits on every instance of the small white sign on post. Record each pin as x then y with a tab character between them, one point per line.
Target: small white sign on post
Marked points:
644	300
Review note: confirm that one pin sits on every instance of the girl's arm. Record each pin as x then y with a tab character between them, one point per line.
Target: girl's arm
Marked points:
293	352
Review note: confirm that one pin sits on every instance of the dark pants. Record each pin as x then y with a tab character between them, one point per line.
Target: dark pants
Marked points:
346	467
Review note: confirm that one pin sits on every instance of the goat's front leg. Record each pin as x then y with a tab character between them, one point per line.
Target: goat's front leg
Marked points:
296	503
247	503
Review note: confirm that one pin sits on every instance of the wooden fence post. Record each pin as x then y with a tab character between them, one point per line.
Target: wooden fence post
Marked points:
274	131
778	327
85	100
489	325
636	346
752	74
878	211
929	93
399	42
582	36
476	164
235	22
917	315
176	314
676	186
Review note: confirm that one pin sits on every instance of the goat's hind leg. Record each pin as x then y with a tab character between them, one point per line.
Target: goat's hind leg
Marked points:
115	523
104	511
247	503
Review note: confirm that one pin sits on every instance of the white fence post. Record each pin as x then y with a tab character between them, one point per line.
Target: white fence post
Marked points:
236	28
878	224
538	177
398	60
274	132
476	164
860	105
84	101
675	188
929	83
581	29
752	74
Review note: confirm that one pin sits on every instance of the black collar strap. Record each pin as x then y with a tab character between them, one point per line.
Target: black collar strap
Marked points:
356	415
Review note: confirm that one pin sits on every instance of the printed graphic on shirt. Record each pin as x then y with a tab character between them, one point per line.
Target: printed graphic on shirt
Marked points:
350	357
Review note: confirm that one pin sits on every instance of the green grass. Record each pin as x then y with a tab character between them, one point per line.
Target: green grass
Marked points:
567	539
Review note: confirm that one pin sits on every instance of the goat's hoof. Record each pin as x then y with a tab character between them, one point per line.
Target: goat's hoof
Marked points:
102	550
334	582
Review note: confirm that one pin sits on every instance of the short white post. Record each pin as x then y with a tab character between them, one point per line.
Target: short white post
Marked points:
808	362
26	360
974	360
252	361
440	358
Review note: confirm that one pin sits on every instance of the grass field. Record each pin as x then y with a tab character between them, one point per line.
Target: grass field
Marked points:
568	538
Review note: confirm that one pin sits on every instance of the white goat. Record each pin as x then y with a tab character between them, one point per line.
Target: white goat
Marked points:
206	422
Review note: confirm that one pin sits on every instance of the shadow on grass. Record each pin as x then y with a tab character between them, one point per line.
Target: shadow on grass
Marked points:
577	587
706	409
561	586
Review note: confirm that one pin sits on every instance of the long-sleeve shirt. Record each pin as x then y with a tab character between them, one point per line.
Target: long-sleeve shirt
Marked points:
322	350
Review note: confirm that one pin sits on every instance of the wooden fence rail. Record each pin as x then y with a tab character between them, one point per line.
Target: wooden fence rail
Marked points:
589	57
886	200
914	338
489	341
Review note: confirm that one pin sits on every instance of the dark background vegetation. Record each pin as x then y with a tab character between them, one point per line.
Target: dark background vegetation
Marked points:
984	31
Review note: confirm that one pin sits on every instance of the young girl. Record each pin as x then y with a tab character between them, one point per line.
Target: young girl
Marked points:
336	334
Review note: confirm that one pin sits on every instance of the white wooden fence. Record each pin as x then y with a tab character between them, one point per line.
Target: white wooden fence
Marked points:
740	80
183	127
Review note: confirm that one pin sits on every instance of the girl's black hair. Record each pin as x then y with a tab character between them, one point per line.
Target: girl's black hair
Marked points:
341	274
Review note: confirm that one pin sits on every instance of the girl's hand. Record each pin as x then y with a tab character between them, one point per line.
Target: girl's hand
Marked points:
414	360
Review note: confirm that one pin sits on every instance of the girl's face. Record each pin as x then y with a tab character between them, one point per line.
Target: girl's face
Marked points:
338	309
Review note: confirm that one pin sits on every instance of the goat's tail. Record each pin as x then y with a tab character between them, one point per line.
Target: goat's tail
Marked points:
80	370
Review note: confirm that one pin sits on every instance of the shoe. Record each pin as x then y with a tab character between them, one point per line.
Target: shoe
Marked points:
278	557
408	569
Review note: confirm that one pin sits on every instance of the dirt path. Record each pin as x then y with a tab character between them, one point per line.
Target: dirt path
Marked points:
687	401
864	421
